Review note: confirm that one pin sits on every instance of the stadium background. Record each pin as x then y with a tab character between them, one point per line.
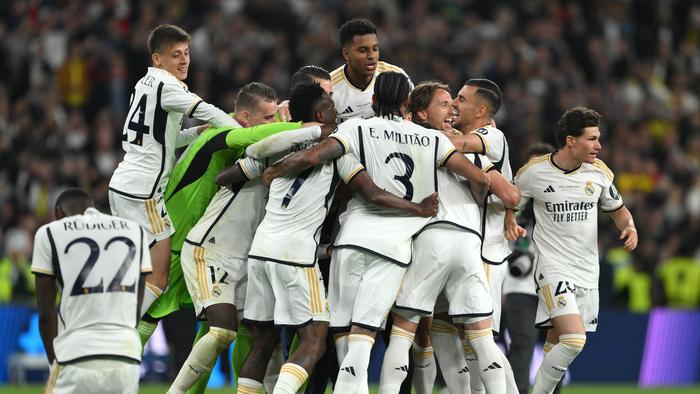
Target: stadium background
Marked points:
68	68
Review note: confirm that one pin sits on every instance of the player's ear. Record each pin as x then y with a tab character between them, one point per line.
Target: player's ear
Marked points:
570	140
422	115
155	59
346	54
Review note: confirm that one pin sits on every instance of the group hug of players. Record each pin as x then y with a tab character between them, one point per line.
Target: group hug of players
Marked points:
232	228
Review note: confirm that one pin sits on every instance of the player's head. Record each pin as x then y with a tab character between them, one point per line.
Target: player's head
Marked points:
312	73
430	103
539	149
310	103
170	50
578	134
256	103
358	37
391	90
476	103
71	202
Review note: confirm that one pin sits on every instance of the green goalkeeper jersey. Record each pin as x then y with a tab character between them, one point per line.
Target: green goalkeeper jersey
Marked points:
192	186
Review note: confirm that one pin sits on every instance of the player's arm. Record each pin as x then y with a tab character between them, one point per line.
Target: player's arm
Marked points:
284	141
503	189
478	181
231	175
46	305
175	98
512	229
625	223
241	138
363	185
328	149
468	143
186	136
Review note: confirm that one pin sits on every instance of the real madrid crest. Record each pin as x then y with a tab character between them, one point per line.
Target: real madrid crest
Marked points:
216	291
589	189
561	302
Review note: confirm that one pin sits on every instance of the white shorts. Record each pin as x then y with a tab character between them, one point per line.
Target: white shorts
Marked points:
94	376
284	294
212	277
151	214
445	261
363	288
560	296
496	275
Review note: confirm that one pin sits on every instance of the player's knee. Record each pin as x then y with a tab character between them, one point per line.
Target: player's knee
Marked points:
573	343
222	336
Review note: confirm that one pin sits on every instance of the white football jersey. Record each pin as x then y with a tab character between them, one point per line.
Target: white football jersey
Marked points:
566	213
495	249
296	208
456	204
352	102
97	260
402	158
150	135
230	220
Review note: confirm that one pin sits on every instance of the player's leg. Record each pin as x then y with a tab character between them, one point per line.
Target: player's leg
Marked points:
200	386
424	366
449	354
497	277
395	364
376	294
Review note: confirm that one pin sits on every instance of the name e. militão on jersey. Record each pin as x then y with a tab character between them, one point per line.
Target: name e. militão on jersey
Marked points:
405	139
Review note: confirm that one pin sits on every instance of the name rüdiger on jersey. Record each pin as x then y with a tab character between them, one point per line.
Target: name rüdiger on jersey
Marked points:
77	225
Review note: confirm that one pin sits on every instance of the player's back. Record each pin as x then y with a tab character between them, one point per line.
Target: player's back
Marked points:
97	259
402	158
149	134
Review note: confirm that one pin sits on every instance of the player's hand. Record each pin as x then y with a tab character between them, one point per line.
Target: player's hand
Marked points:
429	206
283	111
629	234
327	129
201	128
268	175
514	231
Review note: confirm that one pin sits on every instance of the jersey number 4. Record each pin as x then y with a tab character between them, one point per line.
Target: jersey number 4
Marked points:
115	285
140	126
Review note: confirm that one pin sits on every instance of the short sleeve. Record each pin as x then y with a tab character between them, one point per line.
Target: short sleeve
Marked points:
146	265
523	182
174	98
494	143
610	199
348	166
42	257
483	162
348	135
252	168
445	149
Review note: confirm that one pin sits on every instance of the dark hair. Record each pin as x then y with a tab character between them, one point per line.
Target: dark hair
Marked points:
355	27
539	149
422	94
252	94
391	89
308	74
488	91
303	101
73	201
574	121
165	35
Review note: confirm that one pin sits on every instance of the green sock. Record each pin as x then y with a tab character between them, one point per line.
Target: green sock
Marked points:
201	385
145	330
241	349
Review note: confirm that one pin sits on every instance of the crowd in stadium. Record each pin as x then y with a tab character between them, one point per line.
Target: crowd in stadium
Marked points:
69	66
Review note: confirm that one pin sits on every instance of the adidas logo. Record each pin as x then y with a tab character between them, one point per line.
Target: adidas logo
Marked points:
348	110
212	240
350	370
558	369
494	365
549	189
402	368
463	370
594	321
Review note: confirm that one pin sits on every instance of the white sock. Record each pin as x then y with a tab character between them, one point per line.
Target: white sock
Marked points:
355	363
450	356
472	361
424	369
557	361
511	386
341	346
273	369
491	370
292	376
395	365
201	358
150	295
248	386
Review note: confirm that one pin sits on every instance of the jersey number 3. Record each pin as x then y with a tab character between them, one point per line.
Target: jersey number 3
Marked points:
116	284
404	179
140	126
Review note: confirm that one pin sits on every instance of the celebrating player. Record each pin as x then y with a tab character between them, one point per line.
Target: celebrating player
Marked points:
567	187
99	263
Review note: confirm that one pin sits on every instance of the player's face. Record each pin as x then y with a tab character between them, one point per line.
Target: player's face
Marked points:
175	59
439	112
325	111
362	54
467	106
325	85
587	146
264	114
